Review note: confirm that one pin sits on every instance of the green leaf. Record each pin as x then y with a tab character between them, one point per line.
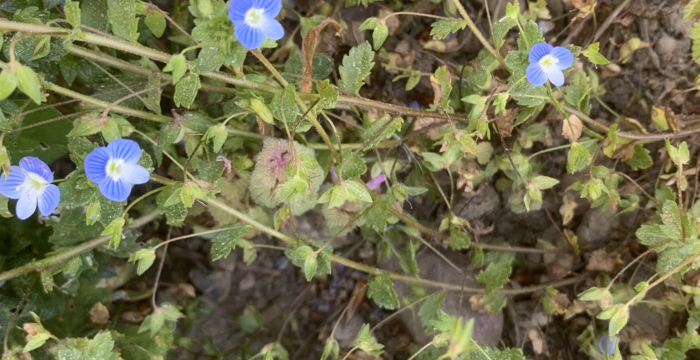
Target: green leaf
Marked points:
376	216
28	83
513	10
178	66
378	130
578	158
381	290
328	94
217	134
650	235
310	266
189	193
680	154
156	320
122	17
331	349
531	35
4	211
88	125
641	159
445	27
262	110
9	81
71	230
430	309
593	54
285	108
72	11
459	240
186	90
495	275
223	242
294	186
357	191
356	166
155	22
500	102
114	229
356	67
444	80
618	316
544	182
691	10
366	342
145	258
380	31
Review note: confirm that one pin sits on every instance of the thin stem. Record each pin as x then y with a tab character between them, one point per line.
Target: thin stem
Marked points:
346	309
666	276
106	111
680	198
555	148
350	352
422	349
168	241
432	232
477	33
635	260
171	21
49	121
397	312
160	270
71	252
555	101
417	14
148	105
6	350
154	191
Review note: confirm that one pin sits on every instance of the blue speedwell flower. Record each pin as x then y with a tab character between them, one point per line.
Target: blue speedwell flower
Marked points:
255	21
547	63
115	168
30	184
607	344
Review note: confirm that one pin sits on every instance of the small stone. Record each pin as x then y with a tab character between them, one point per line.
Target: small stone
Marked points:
595	229
247	283
665	45
347	330
214	284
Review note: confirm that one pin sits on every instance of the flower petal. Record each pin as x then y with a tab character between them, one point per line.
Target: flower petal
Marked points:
272	29
118	190
125	149
564	56
135	174
48	200
376	182
237	10
12	186
26	205
556	76
535	75
272	7
249	37
32	164
96	165
538	51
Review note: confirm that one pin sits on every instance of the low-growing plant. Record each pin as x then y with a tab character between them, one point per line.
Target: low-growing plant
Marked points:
230	116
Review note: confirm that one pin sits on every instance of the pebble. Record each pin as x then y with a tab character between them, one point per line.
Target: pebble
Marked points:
666	45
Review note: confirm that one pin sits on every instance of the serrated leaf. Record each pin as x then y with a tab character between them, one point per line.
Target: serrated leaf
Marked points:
356	67
366	342
578	158
72	11
442	87
380	129
494	276
114	230
122	17
445	27
223	242
355	167
331	350
357	191
381	290
186	90
593	54
430	308
145	258
459	240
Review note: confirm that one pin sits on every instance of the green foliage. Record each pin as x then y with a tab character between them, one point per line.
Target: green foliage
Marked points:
379	33
154	322
381	290
356	66
367	343
442	28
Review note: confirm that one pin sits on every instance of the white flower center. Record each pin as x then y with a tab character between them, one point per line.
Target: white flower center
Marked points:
34	183
115	167
547	62
254	16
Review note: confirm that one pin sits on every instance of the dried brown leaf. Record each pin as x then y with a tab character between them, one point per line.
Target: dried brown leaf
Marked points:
99	314
601	261
571	128
308	47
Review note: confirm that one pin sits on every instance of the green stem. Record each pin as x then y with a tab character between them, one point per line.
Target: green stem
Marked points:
477	33
74	251
154	191
555	101
666	276
153	54
557	148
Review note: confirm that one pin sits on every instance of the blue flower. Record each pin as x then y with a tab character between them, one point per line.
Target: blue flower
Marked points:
115	168
30	184
255	21
607	343
547	63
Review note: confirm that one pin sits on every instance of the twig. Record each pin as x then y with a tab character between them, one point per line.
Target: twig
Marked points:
160	269
6	350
